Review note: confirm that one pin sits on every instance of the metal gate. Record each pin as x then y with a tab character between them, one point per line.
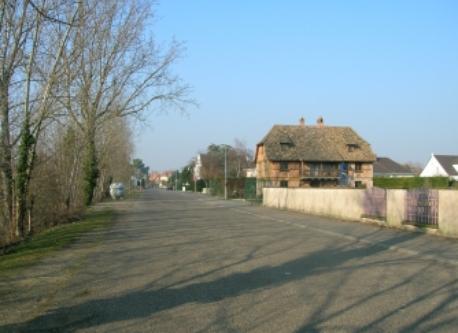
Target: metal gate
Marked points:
375	202
250	189
422	207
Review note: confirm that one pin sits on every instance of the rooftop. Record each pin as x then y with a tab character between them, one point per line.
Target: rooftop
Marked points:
316	143
448	162
385	165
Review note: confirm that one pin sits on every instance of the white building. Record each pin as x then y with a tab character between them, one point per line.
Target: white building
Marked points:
441	166
163	181
250	172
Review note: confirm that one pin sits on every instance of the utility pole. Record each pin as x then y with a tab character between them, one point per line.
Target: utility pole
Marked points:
225	172
176	182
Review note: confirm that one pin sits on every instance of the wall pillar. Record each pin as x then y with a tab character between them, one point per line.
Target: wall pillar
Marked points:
395	207
448	212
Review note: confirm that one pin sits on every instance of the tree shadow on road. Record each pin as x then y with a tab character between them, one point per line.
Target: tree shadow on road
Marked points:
145	302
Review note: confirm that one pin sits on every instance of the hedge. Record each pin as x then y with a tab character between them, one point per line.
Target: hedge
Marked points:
413	182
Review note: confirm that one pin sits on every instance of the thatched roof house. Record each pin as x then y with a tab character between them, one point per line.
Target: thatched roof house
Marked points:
317	155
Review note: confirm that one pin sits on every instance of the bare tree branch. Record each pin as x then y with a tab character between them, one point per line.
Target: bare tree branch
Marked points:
49	18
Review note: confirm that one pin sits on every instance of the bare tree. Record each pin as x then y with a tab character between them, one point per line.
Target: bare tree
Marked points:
115	150
243	157
70	73
414	167
115	70
22	112
238	159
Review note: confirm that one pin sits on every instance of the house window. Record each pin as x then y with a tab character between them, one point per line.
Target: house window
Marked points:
314	170
359	184
352	147
330	169
283	183
358	167
283	166
285	146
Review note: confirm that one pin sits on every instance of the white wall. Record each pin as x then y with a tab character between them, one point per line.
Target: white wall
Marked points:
339	203
448	212
348	204
395	207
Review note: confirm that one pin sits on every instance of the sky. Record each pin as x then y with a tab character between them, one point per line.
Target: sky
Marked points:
388	69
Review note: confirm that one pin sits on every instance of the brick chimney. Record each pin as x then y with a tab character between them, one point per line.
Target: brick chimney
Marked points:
320	122
302	122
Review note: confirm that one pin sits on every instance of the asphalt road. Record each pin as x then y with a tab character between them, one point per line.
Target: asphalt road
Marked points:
180	262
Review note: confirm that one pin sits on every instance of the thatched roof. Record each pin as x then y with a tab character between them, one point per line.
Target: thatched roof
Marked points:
314	143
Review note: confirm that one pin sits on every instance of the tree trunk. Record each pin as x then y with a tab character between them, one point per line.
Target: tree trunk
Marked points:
90	165
5	160
23	170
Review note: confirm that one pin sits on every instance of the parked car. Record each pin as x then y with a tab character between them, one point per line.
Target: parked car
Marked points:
117	191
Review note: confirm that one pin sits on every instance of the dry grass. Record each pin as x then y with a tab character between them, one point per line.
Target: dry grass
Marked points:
52	240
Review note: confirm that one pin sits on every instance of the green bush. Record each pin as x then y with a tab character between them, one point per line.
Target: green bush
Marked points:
200	184
216	187
412	182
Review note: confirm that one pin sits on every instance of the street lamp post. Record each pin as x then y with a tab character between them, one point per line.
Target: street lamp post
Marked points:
176	181
225	172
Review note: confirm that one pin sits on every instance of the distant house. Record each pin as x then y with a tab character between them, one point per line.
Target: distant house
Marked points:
296	156
250	172
441	166
154	177
386	167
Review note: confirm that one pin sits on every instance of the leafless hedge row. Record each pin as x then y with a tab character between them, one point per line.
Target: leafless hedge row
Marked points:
71	75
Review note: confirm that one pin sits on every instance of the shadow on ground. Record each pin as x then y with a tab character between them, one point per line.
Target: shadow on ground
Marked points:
145	302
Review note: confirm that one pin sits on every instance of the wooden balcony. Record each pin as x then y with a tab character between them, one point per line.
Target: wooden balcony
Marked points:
321	174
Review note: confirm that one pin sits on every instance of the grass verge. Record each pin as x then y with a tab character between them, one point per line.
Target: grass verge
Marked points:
52	240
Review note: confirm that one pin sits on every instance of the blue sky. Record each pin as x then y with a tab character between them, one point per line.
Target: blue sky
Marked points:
389	69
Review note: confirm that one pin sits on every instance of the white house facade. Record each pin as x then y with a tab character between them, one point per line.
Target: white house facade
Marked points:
441	166
250	172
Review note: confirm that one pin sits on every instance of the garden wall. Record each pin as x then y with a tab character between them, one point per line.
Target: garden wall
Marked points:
349	204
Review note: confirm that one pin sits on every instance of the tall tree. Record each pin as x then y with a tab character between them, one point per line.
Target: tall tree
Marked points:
23	25
115	69
238	158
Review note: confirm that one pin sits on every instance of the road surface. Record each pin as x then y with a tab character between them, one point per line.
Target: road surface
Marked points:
183	262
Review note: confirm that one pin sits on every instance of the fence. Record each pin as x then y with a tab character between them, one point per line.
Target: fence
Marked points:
250	189
422	207
375	203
